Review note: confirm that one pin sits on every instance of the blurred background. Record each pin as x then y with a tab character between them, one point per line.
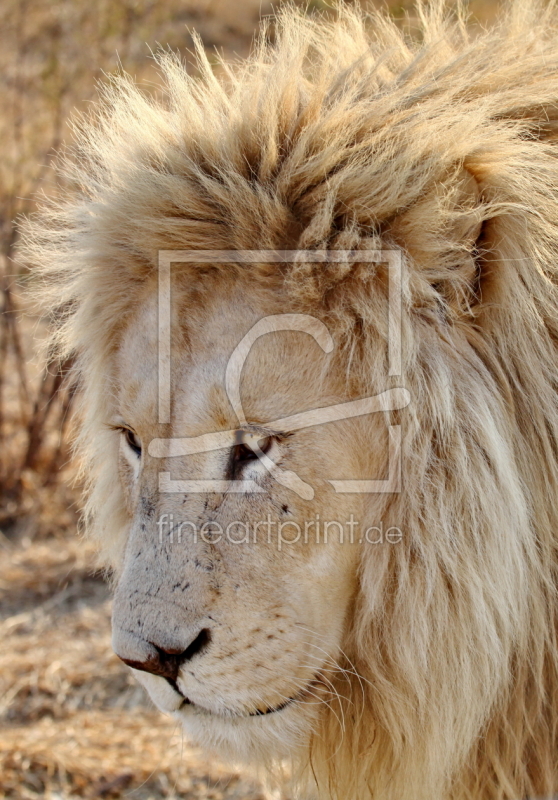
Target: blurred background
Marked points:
73	723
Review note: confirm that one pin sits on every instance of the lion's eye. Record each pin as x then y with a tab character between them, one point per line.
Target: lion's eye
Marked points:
247	443
132	440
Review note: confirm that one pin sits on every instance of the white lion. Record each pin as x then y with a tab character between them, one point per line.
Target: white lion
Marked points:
422	665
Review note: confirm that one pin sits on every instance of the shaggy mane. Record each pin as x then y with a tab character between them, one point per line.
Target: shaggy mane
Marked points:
345	134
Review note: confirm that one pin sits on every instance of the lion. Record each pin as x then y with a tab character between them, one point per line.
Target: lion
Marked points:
246	272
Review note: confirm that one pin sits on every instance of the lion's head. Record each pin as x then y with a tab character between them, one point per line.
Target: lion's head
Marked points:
327	486
240	597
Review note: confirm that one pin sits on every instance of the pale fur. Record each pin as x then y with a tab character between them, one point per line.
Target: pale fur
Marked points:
346	135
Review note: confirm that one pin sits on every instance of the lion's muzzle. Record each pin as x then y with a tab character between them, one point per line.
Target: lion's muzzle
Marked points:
166	661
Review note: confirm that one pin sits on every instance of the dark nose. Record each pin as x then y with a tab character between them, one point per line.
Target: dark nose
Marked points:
167	661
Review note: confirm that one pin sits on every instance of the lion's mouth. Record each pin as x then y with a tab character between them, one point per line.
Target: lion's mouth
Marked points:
298	697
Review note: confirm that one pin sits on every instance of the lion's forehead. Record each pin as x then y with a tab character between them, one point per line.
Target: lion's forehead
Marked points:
282	373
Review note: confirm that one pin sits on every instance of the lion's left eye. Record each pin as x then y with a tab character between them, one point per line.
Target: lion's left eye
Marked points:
132	440
247	444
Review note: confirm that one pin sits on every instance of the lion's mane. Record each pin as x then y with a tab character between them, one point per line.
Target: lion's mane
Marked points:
346	134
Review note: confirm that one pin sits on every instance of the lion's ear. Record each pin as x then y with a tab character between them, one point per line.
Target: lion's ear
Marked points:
440	234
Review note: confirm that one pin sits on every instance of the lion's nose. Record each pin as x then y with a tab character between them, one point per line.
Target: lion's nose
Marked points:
166	661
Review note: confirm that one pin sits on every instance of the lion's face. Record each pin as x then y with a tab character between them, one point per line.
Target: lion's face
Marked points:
234	605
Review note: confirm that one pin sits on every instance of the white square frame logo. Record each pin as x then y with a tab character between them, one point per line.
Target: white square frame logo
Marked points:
391	399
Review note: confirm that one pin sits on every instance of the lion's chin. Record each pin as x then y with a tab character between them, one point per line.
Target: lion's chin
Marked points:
250	737
256	738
